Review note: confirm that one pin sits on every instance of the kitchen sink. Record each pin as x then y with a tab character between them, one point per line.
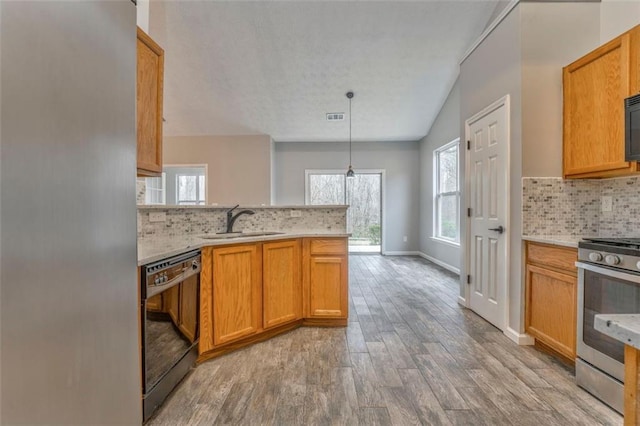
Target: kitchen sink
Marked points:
238	235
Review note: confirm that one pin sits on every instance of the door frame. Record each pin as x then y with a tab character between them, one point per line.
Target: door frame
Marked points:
383	194
504	101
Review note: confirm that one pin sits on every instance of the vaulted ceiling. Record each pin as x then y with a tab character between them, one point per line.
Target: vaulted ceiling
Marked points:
277	67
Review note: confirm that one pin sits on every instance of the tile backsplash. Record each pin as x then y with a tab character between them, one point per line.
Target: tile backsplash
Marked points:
194	221
554	206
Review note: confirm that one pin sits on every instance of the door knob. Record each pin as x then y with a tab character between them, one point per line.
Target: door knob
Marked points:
499	229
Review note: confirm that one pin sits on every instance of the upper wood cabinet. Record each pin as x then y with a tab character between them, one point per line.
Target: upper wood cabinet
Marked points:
551	297
281	282
326	278
237	292
149	105
595	87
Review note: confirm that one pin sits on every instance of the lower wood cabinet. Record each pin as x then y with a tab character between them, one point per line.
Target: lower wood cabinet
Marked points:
551	297
326	278
237	292
249	292
281	282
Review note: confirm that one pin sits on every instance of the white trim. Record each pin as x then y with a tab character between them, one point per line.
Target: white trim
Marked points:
436	194
445	242
440	263
506	102
462	301
401	253
519	338
490	29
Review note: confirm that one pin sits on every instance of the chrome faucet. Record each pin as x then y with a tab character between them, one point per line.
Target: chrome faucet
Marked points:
231	218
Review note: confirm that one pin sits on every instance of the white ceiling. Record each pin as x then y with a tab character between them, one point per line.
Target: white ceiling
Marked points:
277	67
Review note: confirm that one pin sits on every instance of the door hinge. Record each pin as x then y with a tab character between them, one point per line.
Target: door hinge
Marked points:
468	279
468	144
469	212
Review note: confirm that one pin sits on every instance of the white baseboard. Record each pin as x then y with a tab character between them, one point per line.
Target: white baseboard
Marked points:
401	253
462	301
440	263
519	338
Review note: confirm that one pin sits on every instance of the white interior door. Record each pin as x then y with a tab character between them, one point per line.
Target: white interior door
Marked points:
487	177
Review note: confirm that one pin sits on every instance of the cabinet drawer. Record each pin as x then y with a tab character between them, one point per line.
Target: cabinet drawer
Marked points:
328	246
552	256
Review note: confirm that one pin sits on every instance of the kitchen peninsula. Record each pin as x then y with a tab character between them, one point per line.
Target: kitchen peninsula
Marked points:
286	266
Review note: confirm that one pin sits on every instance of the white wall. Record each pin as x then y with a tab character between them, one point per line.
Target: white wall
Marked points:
239	167
445	128
617	16
523	57
400	160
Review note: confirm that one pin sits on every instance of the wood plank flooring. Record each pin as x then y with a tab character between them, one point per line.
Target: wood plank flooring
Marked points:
410	355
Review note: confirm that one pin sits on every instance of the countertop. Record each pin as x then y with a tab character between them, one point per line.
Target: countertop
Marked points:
558	240
622	327
154	249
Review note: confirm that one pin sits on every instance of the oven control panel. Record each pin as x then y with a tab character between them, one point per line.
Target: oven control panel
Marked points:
614	260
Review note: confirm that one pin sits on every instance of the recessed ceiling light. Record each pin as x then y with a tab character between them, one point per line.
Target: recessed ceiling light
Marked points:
335	116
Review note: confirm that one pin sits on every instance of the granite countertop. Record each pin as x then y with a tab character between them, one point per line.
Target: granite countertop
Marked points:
154	249
622	327
248	206
558	240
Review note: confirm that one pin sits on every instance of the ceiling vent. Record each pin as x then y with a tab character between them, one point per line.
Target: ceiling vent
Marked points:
335	116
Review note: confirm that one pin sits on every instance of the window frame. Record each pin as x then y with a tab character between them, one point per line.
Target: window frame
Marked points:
438	196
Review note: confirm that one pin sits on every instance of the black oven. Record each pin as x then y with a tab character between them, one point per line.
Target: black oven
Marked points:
632	128
170	292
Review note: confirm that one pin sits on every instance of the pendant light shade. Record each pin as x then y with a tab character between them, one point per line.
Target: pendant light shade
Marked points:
350	172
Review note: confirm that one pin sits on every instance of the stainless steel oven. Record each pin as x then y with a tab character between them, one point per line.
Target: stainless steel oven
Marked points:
608	283
170	327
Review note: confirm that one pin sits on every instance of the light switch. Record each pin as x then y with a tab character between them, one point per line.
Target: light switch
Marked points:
607	203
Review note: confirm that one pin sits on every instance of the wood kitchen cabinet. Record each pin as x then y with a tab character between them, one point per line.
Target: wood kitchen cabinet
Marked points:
551	297
281	282
237	292
150	81
325	279
595	87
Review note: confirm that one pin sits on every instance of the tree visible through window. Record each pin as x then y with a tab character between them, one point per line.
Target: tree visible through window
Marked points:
447	193
191	189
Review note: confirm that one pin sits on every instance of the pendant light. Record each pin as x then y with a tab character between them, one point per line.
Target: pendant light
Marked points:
350	172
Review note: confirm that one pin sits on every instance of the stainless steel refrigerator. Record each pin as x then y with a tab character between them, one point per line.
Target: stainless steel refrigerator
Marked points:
68	286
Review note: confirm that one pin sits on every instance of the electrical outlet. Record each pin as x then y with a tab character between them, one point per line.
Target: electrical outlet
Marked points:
405	239
157	217
296	213
607	203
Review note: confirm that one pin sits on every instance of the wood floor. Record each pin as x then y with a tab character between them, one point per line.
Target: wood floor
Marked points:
410	355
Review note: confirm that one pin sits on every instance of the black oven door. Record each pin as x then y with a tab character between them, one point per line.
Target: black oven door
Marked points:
604	291
170	339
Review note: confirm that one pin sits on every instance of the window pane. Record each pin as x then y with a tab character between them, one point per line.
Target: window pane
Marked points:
326	189
448	170
201	190
363	215
448	217
187	188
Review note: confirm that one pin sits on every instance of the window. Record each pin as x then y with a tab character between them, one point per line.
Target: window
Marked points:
156	190
190	189
446	205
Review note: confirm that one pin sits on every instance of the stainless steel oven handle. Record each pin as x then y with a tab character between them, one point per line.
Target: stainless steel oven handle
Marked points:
609	272
186	273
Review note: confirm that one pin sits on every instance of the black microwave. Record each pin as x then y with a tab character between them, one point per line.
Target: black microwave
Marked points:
632	128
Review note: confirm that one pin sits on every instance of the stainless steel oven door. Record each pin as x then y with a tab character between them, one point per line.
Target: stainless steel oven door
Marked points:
604	291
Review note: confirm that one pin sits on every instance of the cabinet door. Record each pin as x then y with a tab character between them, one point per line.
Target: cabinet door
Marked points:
328	286
551	309
149	105
237	295
281	283
594	90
